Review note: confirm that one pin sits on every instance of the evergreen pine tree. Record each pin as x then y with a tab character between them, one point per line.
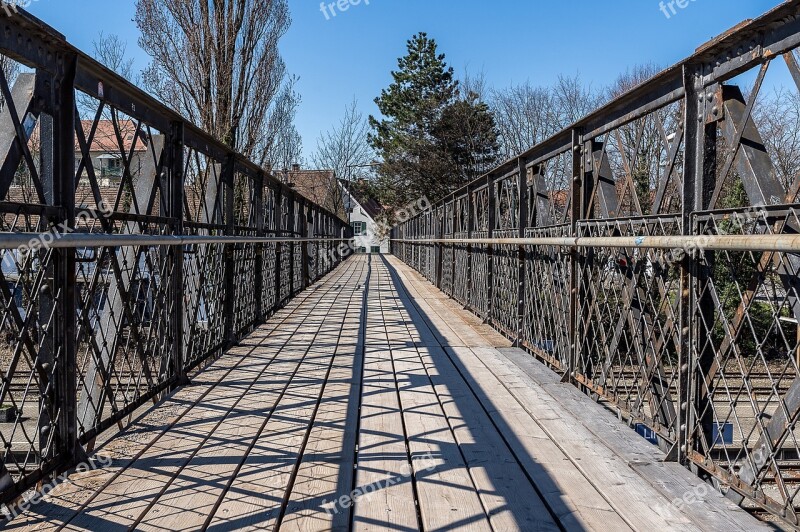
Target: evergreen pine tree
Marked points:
431	139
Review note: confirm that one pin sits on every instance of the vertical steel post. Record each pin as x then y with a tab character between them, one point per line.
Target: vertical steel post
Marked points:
492	216
452	222
45	312
56	309
64	196
699	182
692	109
291	229
277	217
470	250
305	217
258	220
229	184
174	210
438	231
577	212
522	224
314	231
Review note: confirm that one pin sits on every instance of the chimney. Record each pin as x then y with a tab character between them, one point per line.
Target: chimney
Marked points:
295	167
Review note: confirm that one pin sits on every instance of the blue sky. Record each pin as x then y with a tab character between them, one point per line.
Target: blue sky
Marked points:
351	55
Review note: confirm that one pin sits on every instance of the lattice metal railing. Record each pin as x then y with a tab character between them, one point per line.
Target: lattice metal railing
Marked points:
134	247
546	325
651	254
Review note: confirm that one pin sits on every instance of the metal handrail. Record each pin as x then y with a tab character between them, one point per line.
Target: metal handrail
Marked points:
776	243
79	240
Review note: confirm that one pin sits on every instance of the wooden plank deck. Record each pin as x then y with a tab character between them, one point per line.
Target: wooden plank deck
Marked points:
373	402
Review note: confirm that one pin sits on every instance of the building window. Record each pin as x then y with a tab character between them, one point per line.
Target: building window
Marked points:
110	166
359	228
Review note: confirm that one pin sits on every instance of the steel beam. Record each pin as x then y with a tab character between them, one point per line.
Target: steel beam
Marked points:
20	111
174	185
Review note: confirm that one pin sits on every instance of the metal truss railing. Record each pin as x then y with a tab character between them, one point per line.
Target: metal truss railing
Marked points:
113	287
650	253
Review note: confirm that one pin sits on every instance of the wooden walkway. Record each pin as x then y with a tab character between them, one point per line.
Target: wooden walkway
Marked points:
373	402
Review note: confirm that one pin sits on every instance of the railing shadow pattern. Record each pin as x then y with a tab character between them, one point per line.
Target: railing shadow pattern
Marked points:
632	253
92	331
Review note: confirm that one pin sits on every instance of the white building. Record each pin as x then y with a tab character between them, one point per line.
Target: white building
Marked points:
363	213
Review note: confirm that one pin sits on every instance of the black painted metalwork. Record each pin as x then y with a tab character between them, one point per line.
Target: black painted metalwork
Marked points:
93	326
696	338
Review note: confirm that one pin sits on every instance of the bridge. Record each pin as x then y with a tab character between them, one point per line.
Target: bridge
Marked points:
600	334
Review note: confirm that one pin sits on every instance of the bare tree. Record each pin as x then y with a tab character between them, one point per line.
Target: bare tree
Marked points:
10	70
777	116
475	84
344	148
573	99
282	146
218	64
638	151
524	116
112	51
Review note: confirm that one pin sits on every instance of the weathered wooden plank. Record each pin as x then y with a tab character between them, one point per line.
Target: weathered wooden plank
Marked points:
507	493
641	505
384	466
68	498
708	508
577	503
193	496
446	492
257	495
326	472
508	496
